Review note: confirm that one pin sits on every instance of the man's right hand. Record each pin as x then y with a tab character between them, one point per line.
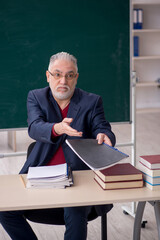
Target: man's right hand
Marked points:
64	128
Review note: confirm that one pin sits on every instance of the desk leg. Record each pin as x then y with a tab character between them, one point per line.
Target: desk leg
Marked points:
138	220
157	214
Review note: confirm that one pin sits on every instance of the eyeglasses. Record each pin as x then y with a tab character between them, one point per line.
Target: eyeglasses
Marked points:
68	76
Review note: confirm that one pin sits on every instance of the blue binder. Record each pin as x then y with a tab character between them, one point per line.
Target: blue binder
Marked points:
140	18
136	46
137	18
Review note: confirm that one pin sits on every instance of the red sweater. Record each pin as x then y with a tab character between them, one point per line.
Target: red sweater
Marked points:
58	157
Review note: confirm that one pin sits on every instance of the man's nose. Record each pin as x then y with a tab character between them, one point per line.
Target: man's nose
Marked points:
63	80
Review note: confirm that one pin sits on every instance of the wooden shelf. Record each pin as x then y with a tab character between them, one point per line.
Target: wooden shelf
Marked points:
147	110
146	31
146	58
145	3
147	84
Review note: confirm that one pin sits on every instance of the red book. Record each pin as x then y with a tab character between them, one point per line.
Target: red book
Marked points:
118	185
120	172
151	161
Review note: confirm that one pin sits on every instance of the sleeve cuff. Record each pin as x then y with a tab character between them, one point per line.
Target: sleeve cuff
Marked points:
54	134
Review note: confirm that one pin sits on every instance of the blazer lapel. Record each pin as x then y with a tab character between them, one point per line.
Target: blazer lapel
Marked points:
74	107
55	108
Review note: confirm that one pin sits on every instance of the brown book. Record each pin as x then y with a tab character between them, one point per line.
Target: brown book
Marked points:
120	172
151	161
118	185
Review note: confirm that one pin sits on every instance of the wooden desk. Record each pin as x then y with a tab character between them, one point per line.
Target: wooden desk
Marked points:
85	191
14	195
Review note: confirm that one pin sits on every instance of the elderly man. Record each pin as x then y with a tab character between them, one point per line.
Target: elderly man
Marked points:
56	113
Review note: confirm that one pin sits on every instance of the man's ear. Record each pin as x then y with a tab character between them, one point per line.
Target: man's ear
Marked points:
47	75
77	77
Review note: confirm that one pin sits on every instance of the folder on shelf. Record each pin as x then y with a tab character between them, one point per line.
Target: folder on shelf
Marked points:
136	46
140	18
135	18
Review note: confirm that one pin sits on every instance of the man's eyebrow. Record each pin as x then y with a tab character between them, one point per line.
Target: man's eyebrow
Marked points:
56	70
70	71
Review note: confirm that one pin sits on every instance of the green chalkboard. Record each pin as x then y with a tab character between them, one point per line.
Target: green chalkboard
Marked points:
96	32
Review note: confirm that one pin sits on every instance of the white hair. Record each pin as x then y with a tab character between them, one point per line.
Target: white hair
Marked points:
63	55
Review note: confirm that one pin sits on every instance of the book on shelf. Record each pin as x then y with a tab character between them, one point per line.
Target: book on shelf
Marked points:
95	156
151	161
57	176
119	176
120	172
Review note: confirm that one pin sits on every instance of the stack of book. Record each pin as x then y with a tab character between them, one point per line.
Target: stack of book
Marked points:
119	176
150	167
58	176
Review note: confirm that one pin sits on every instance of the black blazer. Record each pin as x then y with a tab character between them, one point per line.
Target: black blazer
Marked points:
85	108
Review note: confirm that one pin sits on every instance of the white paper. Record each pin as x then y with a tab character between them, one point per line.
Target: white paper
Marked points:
47	171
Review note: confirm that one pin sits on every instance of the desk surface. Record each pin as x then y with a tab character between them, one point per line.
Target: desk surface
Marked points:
14	195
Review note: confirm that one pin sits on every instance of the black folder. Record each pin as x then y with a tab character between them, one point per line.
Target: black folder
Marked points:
95	156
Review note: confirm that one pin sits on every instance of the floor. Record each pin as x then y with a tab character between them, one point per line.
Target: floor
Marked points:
120	226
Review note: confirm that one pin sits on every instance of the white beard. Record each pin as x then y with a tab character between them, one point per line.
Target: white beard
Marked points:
63	95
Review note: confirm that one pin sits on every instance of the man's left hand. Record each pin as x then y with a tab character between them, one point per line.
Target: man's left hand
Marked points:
101	137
